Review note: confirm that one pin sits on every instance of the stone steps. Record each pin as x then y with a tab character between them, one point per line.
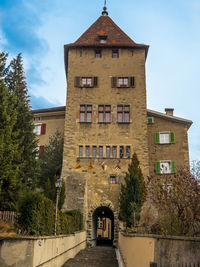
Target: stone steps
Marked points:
94	257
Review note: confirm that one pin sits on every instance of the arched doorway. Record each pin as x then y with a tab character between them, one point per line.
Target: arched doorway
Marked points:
102	226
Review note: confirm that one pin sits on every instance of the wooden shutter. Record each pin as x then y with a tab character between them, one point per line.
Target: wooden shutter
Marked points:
157	138
114	82
95	81
43	128
41	150
173	166
132	81
172	138
77	81
150	120
157	167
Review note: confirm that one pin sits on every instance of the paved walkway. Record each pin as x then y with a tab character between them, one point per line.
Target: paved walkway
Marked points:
94	257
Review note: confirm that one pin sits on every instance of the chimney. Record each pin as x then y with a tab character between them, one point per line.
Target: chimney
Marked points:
169	111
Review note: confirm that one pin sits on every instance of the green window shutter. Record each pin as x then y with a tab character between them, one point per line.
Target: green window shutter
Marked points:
150	120
157	138
173	168
172	138
157	167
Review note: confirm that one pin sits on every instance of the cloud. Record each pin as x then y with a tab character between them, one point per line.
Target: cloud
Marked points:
39	102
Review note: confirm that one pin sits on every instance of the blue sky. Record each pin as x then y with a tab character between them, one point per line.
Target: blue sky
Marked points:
39	29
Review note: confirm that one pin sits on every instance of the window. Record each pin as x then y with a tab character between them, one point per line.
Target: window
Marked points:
104	113
112	179
86	82
122	82
164	138
108	152
115	53
36	118
94	151
123	114
165	167
114	152
150	120
86	113
128	151
121	152
87	151
39	129
101	151
98	53
80	151
102	38
39	151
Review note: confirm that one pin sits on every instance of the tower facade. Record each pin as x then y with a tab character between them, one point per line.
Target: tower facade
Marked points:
105	120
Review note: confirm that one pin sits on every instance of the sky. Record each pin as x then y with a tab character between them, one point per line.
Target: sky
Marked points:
39	29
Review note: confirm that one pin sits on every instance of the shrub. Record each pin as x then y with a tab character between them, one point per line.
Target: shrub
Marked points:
37	217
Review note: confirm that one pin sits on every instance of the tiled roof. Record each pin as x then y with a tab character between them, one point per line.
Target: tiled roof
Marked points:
45	110
105	27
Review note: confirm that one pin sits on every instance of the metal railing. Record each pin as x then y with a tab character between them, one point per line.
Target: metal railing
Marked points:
8	216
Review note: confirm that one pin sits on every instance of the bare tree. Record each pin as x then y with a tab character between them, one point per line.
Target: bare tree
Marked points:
177	199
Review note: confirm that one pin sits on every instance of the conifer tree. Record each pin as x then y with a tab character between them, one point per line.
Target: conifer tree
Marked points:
9	145
50	165
133	194
27	142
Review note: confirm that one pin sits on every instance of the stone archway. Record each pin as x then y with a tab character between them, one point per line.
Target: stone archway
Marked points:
106	215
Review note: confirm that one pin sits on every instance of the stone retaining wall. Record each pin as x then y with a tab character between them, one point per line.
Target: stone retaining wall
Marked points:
142	250
50	251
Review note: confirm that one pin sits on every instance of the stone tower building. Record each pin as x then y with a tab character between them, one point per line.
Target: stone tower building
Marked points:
106	121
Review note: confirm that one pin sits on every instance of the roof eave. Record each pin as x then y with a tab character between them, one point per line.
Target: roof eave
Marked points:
169	117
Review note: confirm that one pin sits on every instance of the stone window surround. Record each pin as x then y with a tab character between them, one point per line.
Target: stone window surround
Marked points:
126	151
113	112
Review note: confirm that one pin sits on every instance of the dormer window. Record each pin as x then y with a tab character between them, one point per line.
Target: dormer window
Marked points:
102	39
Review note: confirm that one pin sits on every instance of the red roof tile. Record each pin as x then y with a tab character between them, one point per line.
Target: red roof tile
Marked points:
105	26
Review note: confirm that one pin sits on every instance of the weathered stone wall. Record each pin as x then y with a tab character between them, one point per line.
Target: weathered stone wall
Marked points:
140	250
177	152
88	188
40	251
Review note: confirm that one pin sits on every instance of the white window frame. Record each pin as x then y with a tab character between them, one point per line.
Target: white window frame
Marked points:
165	167
123	82
112	179
164	137
37	129
86	82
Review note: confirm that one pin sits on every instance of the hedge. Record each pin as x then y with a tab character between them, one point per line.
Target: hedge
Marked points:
37	217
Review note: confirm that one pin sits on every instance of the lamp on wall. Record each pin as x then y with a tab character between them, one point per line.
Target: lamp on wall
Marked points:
58	185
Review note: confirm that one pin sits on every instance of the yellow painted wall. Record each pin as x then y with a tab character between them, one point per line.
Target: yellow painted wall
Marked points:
136	251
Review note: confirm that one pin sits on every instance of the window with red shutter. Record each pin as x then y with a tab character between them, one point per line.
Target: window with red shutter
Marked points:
41	150
43	128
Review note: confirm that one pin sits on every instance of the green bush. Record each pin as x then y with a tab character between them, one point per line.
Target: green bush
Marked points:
37	217
77	217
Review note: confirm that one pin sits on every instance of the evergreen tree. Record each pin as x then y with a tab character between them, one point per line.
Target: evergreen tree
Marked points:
9	145
27	142
133	194
50	165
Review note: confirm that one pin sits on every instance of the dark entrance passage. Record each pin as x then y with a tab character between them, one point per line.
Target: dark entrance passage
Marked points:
103	227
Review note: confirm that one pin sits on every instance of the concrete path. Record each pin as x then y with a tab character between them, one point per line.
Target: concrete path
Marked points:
94	257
